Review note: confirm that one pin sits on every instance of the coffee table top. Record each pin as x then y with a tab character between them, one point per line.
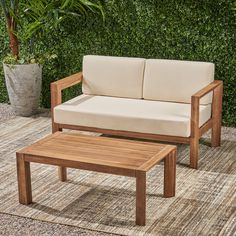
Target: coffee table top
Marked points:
104	151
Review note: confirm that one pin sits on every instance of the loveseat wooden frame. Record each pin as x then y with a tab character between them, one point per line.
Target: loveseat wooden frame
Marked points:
213	123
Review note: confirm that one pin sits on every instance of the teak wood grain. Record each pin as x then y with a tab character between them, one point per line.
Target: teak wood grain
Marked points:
118	153
141	198
214	122
24	180
148	136
101	154
195	132
217	115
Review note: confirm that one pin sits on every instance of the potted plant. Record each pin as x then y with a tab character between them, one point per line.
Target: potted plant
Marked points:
27	23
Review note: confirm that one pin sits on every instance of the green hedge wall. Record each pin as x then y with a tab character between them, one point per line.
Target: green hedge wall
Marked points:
201	30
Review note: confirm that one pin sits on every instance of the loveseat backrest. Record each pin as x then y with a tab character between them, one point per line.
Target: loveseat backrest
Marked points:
113	76
176	81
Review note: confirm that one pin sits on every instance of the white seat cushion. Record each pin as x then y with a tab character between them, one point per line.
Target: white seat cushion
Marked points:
135	115
113	76
176	81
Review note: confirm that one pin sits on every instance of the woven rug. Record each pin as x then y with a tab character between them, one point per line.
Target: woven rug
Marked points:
205	202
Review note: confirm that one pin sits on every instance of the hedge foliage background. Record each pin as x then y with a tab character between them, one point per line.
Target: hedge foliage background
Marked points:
203	30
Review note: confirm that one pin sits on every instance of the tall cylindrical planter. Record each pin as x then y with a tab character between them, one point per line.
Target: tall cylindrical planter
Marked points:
24	87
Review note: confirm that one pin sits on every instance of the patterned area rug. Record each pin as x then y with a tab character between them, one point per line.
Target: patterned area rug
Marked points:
205	202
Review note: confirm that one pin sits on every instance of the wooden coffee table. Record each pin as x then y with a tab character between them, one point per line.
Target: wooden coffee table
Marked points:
102	154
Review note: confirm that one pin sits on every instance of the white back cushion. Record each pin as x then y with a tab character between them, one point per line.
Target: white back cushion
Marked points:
113	76
176	81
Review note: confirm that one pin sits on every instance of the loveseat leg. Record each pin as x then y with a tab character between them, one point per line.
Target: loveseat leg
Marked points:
194	146
216	135
216	116
55	128
62	173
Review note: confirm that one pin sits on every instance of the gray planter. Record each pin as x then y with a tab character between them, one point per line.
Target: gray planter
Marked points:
24	87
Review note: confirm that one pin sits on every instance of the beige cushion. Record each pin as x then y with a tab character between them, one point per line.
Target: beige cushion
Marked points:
135	115
113	76
176	81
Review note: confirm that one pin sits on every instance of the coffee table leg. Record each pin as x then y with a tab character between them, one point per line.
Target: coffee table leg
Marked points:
62	173
24	180
140	197
170	174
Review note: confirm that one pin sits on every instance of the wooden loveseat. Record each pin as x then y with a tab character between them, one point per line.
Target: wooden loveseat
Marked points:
166	100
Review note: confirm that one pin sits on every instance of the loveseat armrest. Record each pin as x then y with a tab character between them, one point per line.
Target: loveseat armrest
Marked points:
217	88
59	85
56	89
214	122
210	87
68	81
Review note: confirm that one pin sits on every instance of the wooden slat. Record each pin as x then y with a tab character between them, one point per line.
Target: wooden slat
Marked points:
110	152
201	93
157	137
106	141
117	148
80	165
41	141
68	81
204	128
157	158
102	158
217	115
96	148
56	99
102	141
99	150
195	132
